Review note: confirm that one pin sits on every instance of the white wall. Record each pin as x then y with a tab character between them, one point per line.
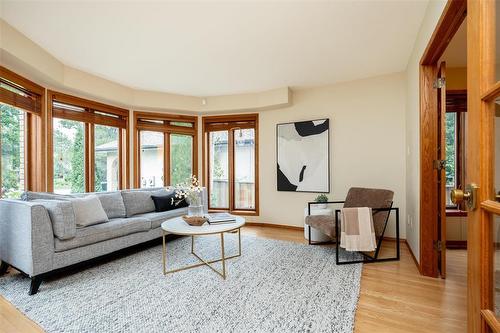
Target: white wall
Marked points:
367	143
433	12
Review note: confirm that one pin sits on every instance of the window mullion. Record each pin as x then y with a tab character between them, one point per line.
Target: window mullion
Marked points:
231	168
166	159
121	166
89	157
137	178
28	180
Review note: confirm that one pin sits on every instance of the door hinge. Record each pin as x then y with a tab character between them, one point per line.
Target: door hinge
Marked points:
439	83
439	164
438	245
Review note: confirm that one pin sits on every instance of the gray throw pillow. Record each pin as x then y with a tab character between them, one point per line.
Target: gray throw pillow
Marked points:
88	211
113	205
62	216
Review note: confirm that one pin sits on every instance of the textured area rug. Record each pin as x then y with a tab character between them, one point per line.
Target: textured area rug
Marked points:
274	286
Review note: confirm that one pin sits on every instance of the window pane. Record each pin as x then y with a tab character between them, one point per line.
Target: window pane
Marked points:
244	169
181	158
219	175
496	263
152	152
106	159
12	158
180	123
451	154
69	160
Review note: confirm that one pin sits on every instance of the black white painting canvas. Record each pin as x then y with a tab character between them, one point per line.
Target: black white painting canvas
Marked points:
303	156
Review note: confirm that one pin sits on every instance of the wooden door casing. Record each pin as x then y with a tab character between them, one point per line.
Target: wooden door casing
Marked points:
452	17
442	171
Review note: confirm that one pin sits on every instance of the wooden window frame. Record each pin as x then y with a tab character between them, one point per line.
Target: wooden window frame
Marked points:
230	123
161	122
34	136
91	116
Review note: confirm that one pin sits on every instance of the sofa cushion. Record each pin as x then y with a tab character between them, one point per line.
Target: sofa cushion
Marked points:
139	201
167	202
101	232
157	218
112	203
29	196
88	211
62	217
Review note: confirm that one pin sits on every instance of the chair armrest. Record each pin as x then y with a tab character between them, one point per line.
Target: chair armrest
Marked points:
26	236
319	203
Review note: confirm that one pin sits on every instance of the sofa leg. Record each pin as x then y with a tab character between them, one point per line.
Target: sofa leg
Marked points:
36	281
3	267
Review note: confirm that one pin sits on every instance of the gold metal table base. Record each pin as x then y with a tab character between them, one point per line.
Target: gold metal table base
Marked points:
203	261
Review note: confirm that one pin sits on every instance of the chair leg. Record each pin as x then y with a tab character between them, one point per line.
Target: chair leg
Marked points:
4	267
36	281
309	231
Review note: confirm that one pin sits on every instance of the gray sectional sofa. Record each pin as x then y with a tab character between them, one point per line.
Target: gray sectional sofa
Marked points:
39	235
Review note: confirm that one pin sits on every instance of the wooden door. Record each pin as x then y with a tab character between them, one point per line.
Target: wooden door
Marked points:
483	165
441	171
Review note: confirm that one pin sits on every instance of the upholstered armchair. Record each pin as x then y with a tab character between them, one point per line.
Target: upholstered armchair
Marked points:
379	200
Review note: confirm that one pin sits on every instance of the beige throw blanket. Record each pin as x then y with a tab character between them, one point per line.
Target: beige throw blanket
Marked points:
356	230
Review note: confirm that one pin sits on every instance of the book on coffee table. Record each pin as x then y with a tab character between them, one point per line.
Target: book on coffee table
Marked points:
219	218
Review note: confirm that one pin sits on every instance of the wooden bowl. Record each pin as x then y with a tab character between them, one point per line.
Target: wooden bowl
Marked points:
195	220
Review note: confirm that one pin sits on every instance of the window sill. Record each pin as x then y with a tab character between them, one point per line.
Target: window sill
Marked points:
456	213
235	212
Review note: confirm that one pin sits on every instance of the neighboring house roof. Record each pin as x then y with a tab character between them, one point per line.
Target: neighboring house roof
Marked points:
109	146
147	142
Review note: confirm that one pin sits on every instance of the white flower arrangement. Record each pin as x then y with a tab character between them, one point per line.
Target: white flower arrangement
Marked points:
189	190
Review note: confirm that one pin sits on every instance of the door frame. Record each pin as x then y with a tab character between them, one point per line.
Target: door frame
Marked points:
452	17
482	90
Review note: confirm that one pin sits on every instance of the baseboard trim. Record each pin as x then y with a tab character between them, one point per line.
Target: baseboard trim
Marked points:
393	239
272	225
413	257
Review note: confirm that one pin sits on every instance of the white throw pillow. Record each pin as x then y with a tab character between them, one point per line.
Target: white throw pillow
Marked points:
88	211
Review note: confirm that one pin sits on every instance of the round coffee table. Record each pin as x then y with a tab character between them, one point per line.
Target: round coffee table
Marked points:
178	226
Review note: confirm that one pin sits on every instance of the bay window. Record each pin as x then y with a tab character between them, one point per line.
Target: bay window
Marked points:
88	145
21	135
230	162
166	149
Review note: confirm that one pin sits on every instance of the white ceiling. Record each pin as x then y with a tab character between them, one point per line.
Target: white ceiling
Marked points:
209	48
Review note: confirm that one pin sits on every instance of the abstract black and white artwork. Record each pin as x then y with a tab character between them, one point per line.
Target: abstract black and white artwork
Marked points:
303	156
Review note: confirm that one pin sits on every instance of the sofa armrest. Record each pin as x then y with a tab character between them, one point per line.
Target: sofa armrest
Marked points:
26	236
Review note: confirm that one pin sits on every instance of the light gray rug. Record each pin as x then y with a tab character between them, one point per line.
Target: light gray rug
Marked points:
274	286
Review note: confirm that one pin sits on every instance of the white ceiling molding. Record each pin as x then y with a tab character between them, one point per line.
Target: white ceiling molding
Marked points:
212	48
21	55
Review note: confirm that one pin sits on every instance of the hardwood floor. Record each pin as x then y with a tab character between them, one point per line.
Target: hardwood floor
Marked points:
394	297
